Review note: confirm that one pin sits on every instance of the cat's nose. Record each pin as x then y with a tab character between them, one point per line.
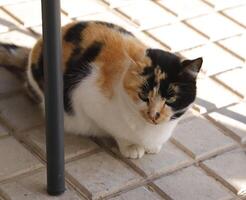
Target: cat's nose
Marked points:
154	116
157	115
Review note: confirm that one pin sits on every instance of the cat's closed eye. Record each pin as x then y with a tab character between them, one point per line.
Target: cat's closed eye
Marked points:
171	94
171	99
143	97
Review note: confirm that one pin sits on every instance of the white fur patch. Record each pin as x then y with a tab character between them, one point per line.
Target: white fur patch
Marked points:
119	117
94	114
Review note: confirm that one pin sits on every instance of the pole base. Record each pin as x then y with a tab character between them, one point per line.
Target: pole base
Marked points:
55	192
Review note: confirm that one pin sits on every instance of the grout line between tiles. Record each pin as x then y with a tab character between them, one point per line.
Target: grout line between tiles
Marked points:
77	186
22	175
13	16
218	178
160	191
221	9
224	130
230	51
231	18
214	78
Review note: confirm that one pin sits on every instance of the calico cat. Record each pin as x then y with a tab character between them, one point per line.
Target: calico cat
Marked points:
114	85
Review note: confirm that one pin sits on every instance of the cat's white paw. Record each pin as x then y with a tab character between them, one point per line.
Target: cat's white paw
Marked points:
132	151
153	150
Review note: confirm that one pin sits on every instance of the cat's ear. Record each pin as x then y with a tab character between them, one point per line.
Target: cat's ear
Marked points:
192	66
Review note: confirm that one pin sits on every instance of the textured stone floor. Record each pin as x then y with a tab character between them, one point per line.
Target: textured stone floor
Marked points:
206	157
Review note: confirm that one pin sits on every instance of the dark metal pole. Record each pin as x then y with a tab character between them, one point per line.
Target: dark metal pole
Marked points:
53	96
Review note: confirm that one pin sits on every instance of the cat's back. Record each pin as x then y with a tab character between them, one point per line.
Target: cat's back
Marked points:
89	46
83	42
91	38
85	33
99	41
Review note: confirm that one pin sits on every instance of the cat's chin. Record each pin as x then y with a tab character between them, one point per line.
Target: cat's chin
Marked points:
150	122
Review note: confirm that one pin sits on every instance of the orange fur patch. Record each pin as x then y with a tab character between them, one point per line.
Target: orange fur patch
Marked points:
36	51
132	82
119	50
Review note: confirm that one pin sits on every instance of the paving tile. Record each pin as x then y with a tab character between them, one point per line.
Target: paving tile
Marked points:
22	12
236	45
237	14
138	194
7	22
83	7
229	168
192	183
38	29
150	42
222	4
111	17
210	99
191	113
234	118
114	18
118	3
33	187
8	2
20	113
170	35
234	80
18	159
215	26
65	20
212	58
201	139
8	83
101	174
147	14
169	159
74	145
186	9
21	37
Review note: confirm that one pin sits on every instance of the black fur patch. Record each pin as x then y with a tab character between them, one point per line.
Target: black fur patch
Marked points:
38	72
177	115
91	52
170	64
78	67
74	33
115	27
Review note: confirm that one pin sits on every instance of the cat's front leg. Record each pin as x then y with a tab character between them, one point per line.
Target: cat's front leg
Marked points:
153	149
130	150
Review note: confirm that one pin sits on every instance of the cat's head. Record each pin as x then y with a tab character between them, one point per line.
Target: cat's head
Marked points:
164	88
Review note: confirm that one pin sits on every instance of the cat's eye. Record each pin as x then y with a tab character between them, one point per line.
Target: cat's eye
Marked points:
143	97
171	100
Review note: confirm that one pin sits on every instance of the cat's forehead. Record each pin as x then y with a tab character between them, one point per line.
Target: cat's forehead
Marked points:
166	62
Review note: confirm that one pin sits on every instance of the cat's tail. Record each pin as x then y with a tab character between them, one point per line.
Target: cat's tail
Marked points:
14	58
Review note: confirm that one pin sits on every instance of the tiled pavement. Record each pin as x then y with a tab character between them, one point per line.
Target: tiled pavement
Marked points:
205	159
